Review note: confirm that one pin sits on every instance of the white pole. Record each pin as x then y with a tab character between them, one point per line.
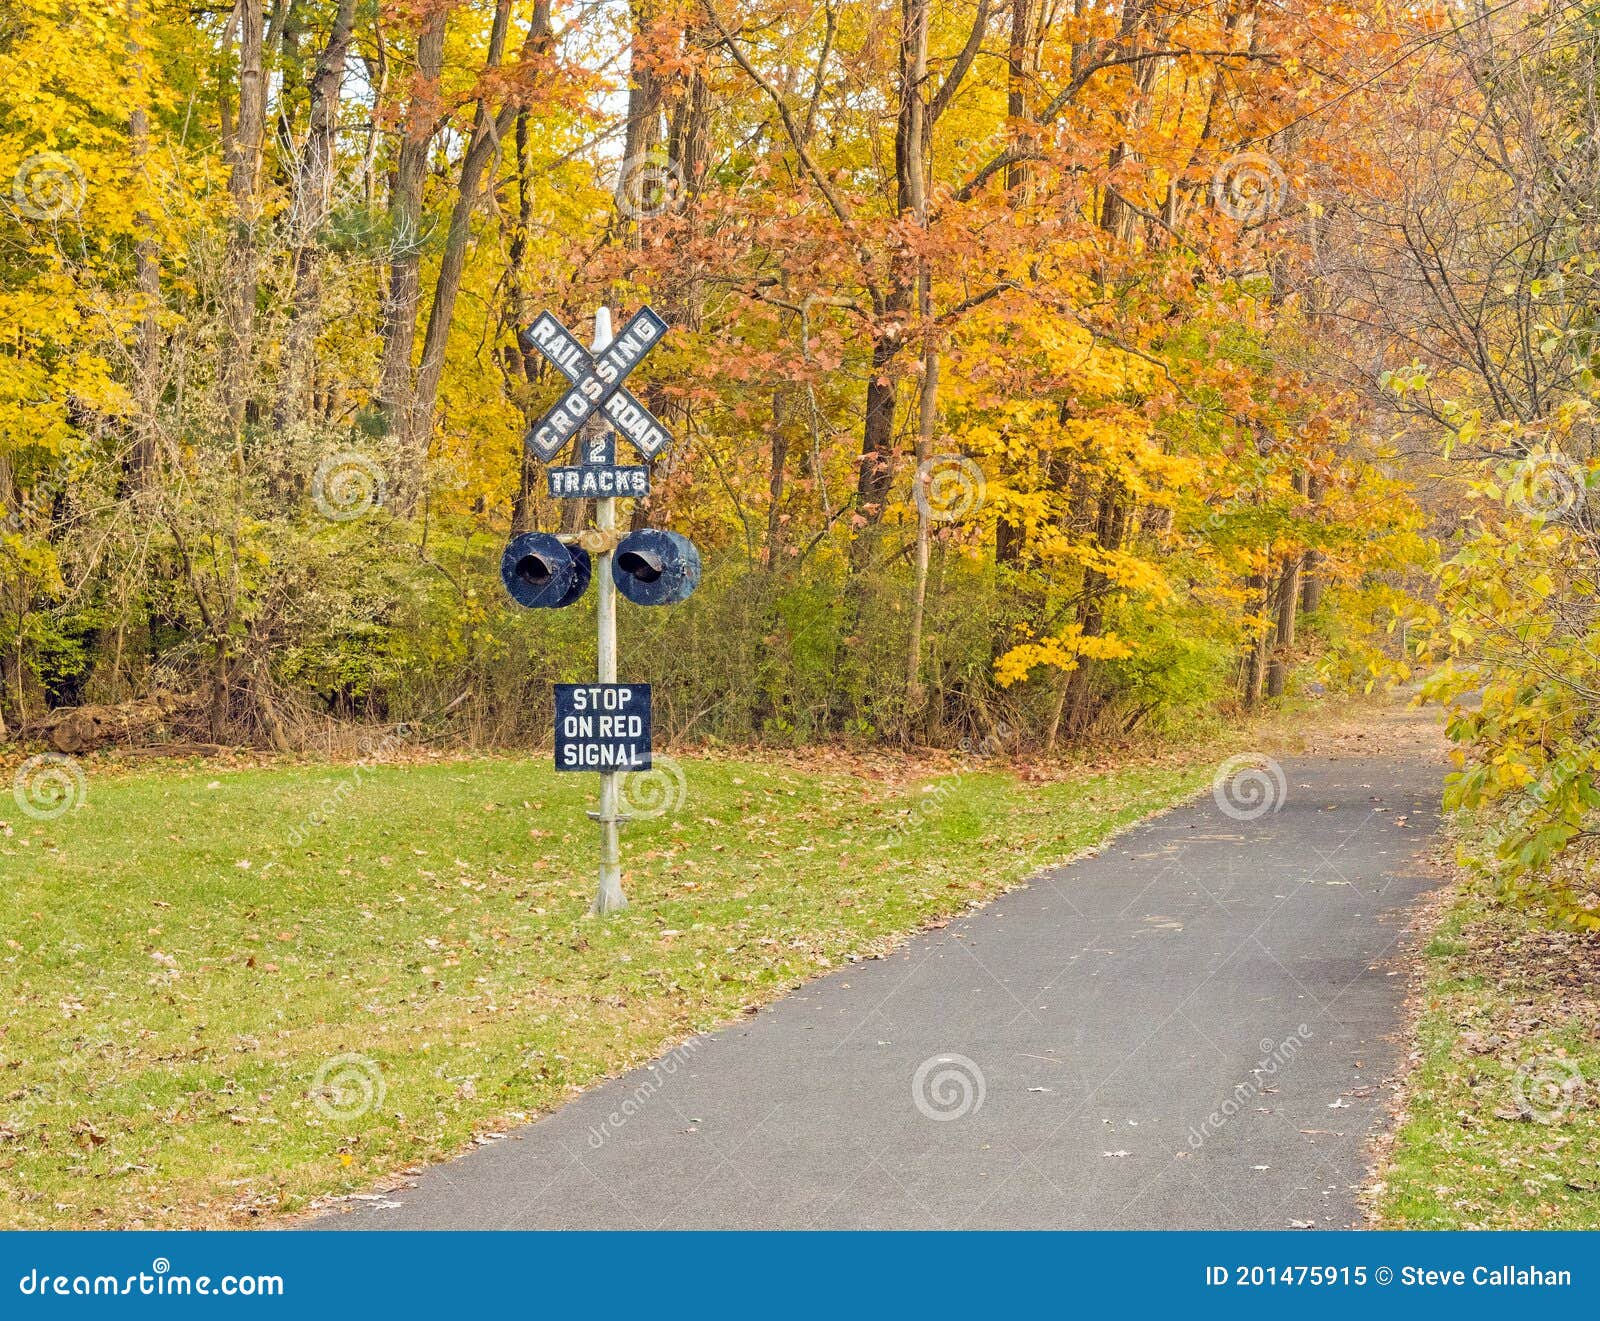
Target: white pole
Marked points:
609	898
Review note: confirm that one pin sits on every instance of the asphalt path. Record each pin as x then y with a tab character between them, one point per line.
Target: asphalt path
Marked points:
1193	1029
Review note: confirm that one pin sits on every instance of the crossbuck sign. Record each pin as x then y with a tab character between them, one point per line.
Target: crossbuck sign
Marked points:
597	385
603	726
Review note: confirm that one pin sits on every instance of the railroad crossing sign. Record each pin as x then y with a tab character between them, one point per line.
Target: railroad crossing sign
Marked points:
599	476
602	726
598	481
597	385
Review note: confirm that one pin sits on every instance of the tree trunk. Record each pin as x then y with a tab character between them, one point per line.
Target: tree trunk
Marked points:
147	276
243	153
1020	68
519	360
313	202
1288	598
688	153
876	476
927	417
1252	664
404	292
285	27
1288	602
1116	217
11	502
1019	72
916	195
1311	584
1111	526
642	133
527	485
910	162
487	131
689	140
1053	727
778	457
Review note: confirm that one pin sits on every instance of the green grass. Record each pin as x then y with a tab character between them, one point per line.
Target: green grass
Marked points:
183	952
1506	997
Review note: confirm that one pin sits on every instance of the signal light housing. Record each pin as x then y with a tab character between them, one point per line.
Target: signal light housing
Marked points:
655	567
542	573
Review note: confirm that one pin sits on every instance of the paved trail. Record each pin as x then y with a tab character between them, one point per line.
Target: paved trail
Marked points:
1187	1031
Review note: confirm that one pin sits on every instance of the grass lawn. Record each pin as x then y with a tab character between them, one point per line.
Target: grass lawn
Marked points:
1502	1129
216	1010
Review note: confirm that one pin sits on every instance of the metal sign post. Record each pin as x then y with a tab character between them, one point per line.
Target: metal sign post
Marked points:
609	898
604	726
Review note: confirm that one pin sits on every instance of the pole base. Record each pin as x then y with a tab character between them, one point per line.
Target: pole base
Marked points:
608	903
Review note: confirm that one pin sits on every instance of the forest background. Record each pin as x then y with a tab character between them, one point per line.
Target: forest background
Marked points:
1055	372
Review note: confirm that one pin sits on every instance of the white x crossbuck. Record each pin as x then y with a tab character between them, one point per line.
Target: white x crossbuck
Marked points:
597	385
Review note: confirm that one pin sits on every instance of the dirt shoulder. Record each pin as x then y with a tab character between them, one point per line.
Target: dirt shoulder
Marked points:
1497	1122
